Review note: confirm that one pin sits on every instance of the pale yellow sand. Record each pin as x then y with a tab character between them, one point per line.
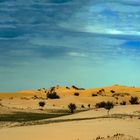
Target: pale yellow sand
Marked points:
82	130
73	130
127	110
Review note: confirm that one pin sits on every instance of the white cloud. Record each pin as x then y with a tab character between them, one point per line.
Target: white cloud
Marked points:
105	30
77	54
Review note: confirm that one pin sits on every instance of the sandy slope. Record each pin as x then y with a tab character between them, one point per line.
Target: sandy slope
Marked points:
73	130
25	99
82	130
67	91
127	110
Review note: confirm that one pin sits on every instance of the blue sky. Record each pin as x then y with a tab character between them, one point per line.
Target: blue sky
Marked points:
88	43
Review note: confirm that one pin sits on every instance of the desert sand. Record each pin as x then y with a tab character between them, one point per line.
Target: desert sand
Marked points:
87	123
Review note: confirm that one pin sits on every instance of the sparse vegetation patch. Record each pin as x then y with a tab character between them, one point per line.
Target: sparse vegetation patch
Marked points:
42	104
94	95
123	103
134	100
53	95
76	94
107	105
72	107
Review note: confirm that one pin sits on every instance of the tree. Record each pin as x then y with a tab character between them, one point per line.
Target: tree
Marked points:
109	106
72	107
101	104
42	104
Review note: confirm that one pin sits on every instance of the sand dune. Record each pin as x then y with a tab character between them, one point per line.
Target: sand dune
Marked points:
86	125
82	130
30	98
85	130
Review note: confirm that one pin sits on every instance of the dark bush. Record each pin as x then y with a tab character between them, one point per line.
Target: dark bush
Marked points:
72	107
67	88
100	105
89	105
94	94
134	100
101	90
52	89
53	95
120	94
41	103
35	97
82	106
74	87
76	94
107	105
112	91
81	89
123	103
77	88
